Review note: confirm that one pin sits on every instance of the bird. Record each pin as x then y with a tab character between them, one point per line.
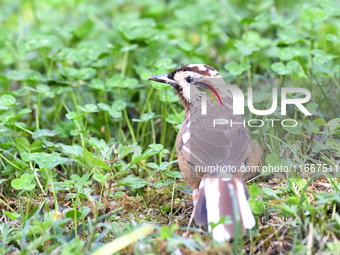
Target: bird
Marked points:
218	197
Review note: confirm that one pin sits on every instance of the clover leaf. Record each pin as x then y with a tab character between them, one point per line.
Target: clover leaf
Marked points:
43	159
24	182
145	117
282	69
236	69
7	100
333	38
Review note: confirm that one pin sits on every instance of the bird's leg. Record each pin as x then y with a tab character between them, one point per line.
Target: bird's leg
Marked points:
194	198
190	221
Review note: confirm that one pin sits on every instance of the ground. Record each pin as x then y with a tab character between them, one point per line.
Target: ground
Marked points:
87	156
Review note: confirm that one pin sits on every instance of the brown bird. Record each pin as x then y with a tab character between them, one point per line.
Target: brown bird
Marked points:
201	145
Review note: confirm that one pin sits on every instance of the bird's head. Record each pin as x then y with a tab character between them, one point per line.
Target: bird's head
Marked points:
189	81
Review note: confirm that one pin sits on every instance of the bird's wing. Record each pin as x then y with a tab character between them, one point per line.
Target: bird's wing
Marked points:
222	145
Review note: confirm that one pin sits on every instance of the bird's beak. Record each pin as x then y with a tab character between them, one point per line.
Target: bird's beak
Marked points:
163	78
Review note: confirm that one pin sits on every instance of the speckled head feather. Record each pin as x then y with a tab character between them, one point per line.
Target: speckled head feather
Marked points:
185	80
202	69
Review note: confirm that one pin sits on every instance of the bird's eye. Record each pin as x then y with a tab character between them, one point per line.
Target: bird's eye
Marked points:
189	79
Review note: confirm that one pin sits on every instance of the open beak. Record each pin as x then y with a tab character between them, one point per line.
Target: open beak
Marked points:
163	78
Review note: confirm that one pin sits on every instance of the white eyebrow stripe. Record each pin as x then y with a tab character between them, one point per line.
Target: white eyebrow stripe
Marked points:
200	67
214	73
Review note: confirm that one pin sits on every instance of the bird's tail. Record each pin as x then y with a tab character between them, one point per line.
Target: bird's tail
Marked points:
223	197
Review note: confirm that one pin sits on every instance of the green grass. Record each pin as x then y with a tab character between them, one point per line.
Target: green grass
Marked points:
87	143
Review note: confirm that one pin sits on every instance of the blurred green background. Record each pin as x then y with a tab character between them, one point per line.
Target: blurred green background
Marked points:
83	132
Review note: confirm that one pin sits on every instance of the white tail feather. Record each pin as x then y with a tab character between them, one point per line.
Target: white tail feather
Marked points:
212	199
246	213
213	195
220	234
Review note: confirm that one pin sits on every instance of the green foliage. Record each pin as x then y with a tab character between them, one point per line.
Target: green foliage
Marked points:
80	121
24	182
